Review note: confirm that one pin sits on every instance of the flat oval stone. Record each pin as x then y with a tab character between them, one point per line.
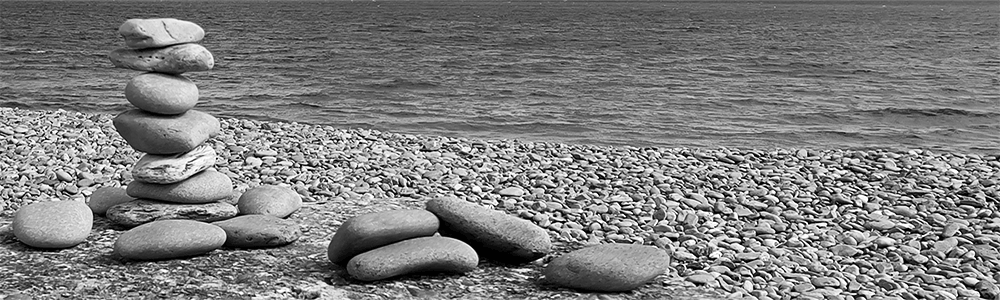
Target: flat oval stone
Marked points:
165	169
607	267
370	231
154	33
495	234
106	197
174	59
168	239
143	211
53	224
259	231
162	93
165	134
432	254
207	186
273	200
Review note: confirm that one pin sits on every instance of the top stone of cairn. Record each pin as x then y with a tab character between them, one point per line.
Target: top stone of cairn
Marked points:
155	33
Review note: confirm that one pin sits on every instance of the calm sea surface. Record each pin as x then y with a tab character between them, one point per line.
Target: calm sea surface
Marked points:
798	73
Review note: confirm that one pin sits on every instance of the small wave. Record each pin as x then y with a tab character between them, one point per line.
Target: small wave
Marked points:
545	94
403	84
932	112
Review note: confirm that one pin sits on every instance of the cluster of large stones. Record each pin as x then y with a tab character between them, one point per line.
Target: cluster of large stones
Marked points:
451	235
176	205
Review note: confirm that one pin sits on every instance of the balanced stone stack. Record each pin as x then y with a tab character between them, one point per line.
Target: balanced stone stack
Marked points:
174	179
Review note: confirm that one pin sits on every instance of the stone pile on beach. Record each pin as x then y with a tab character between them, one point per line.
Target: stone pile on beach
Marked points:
175	178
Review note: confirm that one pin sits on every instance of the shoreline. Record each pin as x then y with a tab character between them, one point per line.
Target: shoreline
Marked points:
826	222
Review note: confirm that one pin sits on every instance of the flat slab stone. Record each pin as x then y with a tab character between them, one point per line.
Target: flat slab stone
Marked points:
143	211
53	224
169	239
259	231
496	235
370	231
204	187
162	93
162	32
165	169
433	254
607	267
165	134
176	59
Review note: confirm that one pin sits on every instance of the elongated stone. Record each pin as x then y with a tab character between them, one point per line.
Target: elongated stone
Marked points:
165	134
419	255
169	239
174	59
496	235
160	93
370	231
162	32
207	186
165	169
259	231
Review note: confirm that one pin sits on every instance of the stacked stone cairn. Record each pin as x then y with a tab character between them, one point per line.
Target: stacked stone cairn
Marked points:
176	190
451	235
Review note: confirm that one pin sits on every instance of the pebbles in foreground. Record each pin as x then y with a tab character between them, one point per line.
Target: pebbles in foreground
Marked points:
750	222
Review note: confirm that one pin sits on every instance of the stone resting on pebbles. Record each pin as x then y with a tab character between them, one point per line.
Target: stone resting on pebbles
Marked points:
494	234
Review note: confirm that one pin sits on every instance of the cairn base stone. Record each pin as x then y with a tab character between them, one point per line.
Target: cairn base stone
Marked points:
169	239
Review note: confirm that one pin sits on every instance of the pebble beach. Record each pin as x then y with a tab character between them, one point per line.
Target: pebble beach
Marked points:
756	223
